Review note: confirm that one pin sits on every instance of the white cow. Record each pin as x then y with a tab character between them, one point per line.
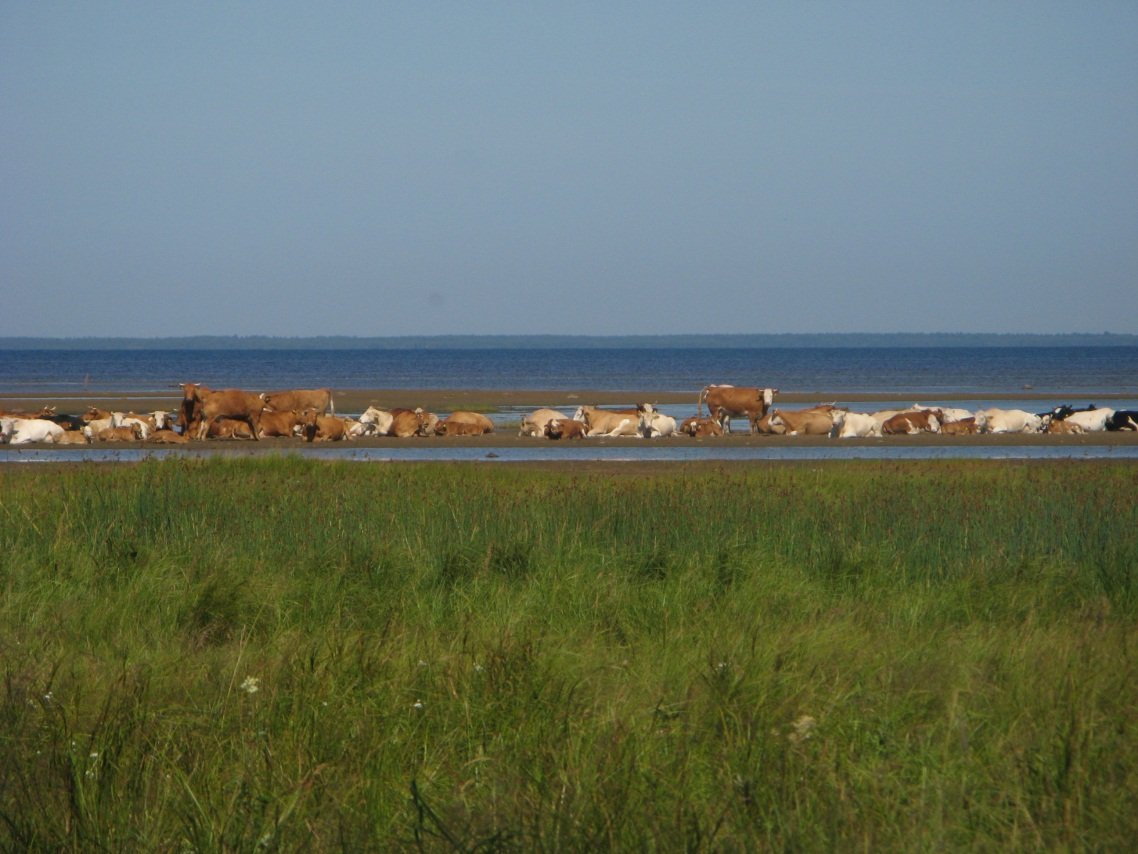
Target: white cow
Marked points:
1010	421
654	424
375	421
25	430
854	425
1092	420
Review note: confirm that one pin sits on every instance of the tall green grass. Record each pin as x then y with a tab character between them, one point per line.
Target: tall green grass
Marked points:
281	654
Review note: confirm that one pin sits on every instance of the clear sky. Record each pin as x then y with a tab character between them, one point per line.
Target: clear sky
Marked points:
380	168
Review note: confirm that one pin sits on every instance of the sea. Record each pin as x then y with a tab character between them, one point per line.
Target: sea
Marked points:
1054	375
1077	373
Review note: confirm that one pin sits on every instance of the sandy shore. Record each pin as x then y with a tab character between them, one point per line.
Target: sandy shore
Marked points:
490	401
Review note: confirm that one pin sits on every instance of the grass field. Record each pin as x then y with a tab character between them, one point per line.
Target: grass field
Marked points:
288	655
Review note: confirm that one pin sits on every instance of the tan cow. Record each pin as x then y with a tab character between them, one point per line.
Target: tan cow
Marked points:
960	427
608	422
565	428
725	402
232	404
133	433
318	399
534	423
463	417
458	428
803	422
227	428
905	423
1060	426
168	437
280	424
71	437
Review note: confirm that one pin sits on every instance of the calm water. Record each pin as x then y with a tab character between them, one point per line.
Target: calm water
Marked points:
1079	372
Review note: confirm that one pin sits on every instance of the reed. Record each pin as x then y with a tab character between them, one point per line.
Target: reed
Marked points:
286	654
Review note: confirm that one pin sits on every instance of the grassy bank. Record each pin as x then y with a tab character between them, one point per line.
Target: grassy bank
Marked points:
214	655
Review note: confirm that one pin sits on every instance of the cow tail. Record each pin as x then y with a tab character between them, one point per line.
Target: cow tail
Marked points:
331	405
699	403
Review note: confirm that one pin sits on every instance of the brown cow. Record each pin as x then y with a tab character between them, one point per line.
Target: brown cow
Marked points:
323	428
319	399
700	427
277	424
725	402
190	409
921	421
232	404
565	428
407	422
464	417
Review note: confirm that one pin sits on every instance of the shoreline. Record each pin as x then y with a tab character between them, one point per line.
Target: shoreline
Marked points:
349	401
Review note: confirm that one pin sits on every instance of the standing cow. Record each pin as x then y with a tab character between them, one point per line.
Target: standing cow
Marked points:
725	402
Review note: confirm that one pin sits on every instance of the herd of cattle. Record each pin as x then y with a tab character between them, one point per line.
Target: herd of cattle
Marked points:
309	415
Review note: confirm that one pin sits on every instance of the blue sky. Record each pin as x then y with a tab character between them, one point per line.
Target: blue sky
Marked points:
579	168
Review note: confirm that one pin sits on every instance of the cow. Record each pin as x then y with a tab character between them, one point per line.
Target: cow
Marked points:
565	428
458	428
1123	419
804	422
725	402
323	428
1092	420
232	404
654	424
853	425
129	419
608	422
375	420
962	427
476	419
700	427
168	437
228	428
407	422
129	433
1062	425
534	423
907	423
190	409
948	414
318	399
72	437
1010	421
280	424
21	431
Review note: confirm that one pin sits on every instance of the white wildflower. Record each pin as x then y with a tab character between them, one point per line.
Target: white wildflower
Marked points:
418	704
803	729
251	685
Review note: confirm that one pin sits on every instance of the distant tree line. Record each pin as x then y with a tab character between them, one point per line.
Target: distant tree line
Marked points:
552	342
